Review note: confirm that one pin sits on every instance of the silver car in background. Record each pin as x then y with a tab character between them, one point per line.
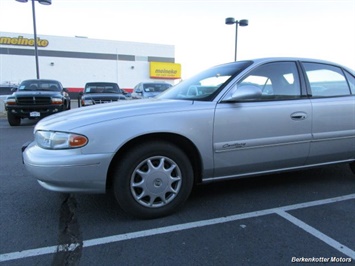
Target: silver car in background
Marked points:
149	89
235	120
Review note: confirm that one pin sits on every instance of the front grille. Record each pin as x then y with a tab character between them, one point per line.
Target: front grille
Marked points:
33	100
104	101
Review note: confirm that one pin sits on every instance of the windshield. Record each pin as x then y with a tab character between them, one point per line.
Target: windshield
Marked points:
101	88
39	85
206	85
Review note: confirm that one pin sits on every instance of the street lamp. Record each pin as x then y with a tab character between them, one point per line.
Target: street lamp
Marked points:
243	23
43	2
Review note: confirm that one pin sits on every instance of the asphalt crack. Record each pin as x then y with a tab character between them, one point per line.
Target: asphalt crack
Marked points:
70	241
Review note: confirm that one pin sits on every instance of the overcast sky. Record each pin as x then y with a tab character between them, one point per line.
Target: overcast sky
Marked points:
302	28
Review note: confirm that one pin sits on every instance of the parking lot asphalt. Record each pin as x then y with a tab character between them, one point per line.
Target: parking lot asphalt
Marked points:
293	218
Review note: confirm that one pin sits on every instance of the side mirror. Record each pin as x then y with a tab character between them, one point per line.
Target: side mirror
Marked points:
81	93
13	89
245	93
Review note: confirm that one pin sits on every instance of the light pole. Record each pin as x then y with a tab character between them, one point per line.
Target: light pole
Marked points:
43	2
231	21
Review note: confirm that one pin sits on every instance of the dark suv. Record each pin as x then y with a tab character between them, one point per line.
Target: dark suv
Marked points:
101	92
36	98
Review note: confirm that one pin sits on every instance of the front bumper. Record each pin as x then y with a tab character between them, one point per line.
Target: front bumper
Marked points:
27	111
67	170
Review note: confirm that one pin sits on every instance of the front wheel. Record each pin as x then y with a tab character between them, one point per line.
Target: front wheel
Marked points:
66	105
153	180
13	120
352	167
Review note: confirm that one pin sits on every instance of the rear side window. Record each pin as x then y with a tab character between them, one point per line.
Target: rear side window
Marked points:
326	80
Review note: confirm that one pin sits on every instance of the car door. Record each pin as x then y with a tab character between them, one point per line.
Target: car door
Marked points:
265	134
333	105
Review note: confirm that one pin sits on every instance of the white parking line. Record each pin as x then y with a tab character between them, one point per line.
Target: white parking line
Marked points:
309	229
179	227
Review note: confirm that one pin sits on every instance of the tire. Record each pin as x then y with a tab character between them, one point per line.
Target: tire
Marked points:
153	180
66	106
352	167
13	120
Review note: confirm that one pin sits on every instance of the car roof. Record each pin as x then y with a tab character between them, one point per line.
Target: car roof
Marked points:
314	60
40	80
154	82
99	82
260	61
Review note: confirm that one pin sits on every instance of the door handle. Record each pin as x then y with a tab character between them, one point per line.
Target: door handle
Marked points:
299	116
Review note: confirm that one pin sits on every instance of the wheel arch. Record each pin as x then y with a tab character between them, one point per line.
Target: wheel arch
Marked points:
182	142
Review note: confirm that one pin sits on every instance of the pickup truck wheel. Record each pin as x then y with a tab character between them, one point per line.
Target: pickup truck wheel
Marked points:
352	167
13	120
66	105
153	180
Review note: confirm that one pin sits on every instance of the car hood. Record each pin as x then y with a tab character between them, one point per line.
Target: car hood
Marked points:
35	93
79	117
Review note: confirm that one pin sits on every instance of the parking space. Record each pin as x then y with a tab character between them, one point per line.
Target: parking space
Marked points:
256	238
300	217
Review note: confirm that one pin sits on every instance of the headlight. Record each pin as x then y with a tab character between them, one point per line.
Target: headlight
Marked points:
10	101
59	140
57	100
85	102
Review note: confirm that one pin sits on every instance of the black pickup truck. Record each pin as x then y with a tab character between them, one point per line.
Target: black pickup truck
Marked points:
101	92
35	99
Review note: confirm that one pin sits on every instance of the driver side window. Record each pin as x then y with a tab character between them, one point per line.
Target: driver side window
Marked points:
277	81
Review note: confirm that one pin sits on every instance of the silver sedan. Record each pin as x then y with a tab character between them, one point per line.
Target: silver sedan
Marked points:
235	120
